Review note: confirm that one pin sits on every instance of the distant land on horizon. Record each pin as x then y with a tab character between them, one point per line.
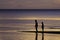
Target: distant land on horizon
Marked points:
29	9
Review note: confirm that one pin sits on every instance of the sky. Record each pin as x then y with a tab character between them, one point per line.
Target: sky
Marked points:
29	4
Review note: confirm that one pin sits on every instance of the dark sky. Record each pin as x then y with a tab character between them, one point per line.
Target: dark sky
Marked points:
29	4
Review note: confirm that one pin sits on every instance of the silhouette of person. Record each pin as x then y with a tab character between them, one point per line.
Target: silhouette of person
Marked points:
36	25
42	26
42	31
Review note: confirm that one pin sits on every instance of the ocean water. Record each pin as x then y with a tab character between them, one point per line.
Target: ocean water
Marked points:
9	29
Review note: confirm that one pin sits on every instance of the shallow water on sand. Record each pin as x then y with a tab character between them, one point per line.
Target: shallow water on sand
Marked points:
26	36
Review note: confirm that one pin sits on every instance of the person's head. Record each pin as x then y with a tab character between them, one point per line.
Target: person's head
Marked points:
35	20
